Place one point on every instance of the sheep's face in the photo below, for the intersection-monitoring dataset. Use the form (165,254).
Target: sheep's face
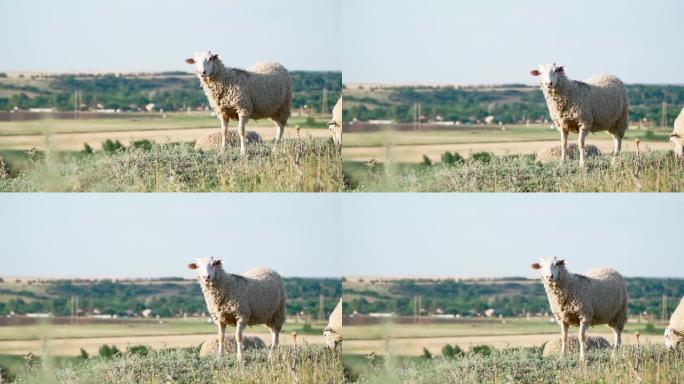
(549,75)
(550,269)
(672,339)
(204,62)
(206,268)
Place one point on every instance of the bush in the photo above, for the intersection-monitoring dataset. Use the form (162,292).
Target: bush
(426,354)
(450,352)
(87,149)
(5,375)
(426,161)
(83,355)
(140,350)
(449,158)
(110,146)
(484,157)
(649,135)
(310,121)
(107,352)
(484,350)
(144,144)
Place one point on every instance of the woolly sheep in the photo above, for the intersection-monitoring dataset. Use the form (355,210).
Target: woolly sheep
(255,297)
(333,331)
(553,347)
(335,125)
(599,104)
(553,152)
(262,91)
(214,140)
(674,333)
(210,346)
(598,297)
(677,135)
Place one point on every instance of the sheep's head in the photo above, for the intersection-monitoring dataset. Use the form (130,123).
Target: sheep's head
(206,268)
(551,269)
(205,63)
(549,75)
(672,338)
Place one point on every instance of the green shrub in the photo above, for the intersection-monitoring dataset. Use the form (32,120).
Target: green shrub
(107,352)
(426,161)
(449,158)
(483,157)
(87,149)
(110,146)
(141,350)
(484,350)
(83,354)
(426,354)
(144,144)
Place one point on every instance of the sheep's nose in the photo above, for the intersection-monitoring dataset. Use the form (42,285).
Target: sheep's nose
(204,72)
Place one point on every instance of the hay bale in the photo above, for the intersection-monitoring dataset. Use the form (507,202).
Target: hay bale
(213,140)
(210,346)
(553,153)
(553,347)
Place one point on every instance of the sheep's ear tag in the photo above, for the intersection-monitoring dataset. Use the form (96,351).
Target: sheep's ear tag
(216,263)
(214,56)
(536,266)
(535,72)
(190,61)
(560,69)
(192,266)
(560,262)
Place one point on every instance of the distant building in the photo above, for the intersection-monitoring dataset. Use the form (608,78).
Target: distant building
(41,110)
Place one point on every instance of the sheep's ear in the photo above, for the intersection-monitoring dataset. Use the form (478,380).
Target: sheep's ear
(192,265)
(216,263)
(535,72)
(675,135)
(560,69)
(190,61)
(214,56)
(560,262)
(536,266)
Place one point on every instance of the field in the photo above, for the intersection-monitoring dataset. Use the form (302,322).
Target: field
(305,160)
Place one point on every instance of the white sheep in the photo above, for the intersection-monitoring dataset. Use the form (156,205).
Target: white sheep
(333,331)
(677,135)
(597,297)
(553,347)
(214,140)
(262,91)
(553,152)
(255,297)
(674,333)
(599,104)
(335,125)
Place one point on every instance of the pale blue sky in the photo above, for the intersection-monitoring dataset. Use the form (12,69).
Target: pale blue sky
(155,35)
(469,235)
(499,41)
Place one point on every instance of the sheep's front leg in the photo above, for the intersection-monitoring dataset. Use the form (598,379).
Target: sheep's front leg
(280,128)
(274,340)
(564,338)
(617,339)
(582,336)
(241,132)
(238,339)
(580,144)
(617,145)
(224,133)
(679,150)
(564,145)
(222,337)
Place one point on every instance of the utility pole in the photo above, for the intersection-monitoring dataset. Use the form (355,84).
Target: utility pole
(321,312)
(415,116)
(663,314)
(419,113)
(324,101)
(663,116)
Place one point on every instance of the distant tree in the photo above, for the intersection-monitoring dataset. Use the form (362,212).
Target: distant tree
(3,74)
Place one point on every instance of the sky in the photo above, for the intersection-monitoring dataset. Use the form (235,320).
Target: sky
(332,235)
(500,41)
(157,35)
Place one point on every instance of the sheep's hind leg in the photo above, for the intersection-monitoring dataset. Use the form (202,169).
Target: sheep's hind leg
(582,336)
(617,145)
(224,133)
(564,145)
(274,340)
(238,339)
(564,338)
(280,129)
(617,339)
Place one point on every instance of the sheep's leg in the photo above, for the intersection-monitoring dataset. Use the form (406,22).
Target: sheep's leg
(679,150)
(617,339)
(224,133)
(238,338)
(222,337)
(582,336)
(617,145)
(580,144)
(564,145)
(241,132)
(564,338)
(274,340)
(280,128)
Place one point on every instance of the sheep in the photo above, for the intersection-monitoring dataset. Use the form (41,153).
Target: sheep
(335,125)
(599,104)
(674,333)
(550,153)
(553,347)
(333,331)
(210,346)
(255,297)
(598,297)
(262,91)
(677,135)
(213,140)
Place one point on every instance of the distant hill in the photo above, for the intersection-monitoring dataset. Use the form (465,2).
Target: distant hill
(512,103)
(171,91)
(166,297)
(507,296)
